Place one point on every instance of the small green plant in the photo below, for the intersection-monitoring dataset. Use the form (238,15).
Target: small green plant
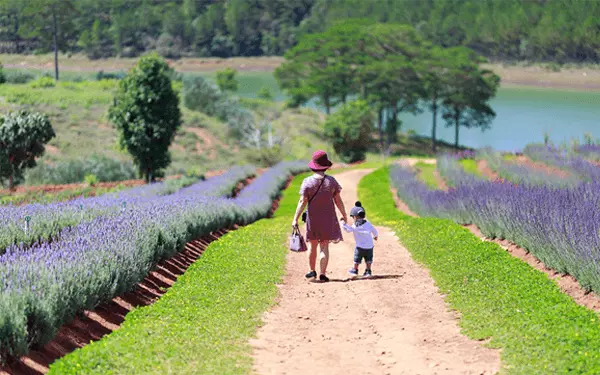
(194,173)
(588,139)
(265,93)
(2,75)
(44,82)
(546,138)
(226,79)
(90,179)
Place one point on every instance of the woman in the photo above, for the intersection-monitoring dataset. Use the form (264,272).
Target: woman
(321,193)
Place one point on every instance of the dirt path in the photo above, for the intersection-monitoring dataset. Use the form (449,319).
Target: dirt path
(394,323)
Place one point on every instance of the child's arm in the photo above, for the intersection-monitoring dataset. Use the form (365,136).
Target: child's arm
(374,232)
(347,227)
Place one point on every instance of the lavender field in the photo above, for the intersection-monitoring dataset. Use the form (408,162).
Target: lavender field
(555,218)
(104,249)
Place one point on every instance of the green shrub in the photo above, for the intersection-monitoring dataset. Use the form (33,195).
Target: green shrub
(109,75)
(72,171)
(226,79)
(146,114)
(90,179)
(44,82)
(18,77)
(349,129)
(265,93)
(2,75)
(200,94)
(23,136)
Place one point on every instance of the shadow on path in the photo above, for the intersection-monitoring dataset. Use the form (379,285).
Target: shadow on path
(358,278)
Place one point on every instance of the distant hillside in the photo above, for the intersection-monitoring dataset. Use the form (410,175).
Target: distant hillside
(536,30)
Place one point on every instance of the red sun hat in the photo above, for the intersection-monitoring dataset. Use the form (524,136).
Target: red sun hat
(320,161)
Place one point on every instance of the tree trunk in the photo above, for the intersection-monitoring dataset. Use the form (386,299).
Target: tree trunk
(55,37)
(394,129)
(148,176)
(16,31)
(456,126)
(11,182)
(380,128)
(434,106)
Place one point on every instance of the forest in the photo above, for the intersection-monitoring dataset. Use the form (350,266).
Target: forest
(507,30)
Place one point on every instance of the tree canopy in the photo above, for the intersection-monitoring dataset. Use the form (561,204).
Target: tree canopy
(392,68)
(543,30)
(146,114)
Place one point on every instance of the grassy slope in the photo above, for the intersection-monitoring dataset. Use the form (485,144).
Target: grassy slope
(78,114)
(426,174)
(203,323)
(470,166)
(539,329)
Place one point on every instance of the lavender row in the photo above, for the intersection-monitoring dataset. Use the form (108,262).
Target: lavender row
(591,152)
(453,173)
(44,286)
(571,163)
(560,226)
(522,174)
(38,222)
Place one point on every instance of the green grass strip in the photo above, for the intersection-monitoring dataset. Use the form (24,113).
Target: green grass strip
(426,174)
(470,166)
(203,323)
(539,329)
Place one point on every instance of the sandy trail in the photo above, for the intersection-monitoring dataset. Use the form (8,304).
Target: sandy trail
(394,323)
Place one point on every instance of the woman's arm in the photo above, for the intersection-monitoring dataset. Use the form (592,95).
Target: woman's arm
(301,206)
(337,199)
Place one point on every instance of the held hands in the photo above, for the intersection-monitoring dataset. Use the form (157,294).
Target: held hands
(375,238)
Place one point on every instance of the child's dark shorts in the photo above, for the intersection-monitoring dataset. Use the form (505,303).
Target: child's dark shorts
(360,253)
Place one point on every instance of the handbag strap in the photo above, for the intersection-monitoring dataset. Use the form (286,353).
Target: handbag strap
(319,188)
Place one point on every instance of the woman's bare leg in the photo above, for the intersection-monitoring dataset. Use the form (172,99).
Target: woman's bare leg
(324,256)
(312,256)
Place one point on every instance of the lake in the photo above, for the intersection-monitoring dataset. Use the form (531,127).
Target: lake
(523,115)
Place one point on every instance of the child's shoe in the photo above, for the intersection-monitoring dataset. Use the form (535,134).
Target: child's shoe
(353,272)
(367,273)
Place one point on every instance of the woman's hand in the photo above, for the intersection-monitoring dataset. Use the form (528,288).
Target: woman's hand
(295,223)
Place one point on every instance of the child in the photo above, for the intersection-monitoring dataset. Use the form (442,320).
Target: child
(364,233)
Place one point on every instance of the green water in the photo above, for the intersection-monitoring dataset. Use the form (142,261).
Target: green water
(523,115)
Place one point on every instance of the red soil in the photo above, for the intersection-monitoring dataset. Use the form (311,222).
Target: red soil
(486,171)
(542,167)
(440,181)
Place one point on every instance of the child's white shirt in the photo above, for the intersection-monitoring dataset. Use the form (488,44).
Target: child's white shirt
(363,235)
